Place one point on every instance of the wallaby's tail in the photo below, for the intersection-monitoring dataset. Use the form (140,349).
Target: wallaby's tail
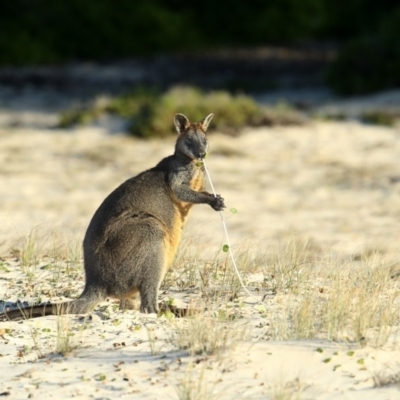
(84,304)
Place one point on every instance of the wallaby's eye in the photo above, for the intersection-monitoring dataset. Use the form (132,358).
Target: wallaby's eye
(189,141)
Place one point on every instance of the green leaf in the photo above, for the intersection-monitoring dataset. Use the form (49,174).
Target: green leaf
(3,268)
(225,248)
(199,164)
(260,308)
(233,211)
(100,377)
(171,301)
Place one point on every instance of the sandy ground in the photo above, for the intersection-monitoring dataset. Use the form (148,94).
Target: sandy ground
(333,184)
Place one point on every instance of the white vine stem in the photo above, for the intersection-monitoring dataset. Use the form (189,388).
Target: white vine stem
(227,239)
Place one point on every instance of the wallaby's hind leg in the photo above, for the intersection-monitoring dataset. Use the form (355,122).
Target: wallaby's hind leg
(134,262)
(154,269)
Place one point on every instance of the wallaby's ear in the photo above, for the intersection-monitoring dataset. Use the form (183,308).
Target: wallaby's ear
(206,121)
(181,123)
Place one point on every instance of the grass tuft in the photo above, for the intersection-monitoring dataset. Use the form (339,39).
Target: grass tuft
(206,335)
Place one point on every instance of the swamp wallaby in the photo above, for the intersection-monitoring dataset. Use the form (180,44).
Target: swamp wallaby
(132,238)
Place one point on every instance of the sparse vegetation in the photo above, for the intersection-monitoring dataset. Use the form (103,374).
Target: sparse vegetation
(64,334)
(193,385)
(287,390)
(340,306)
(149,112)
(206,335)
(381,117)
(388,376)
(355,302)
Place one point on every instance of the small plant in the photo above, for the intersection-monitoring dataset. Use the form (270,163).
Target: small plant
(290,268)
(193,386)
(386,377)
(287,390)
(152,340)
(201,335)
(35,335)
(28,251)
(63,340)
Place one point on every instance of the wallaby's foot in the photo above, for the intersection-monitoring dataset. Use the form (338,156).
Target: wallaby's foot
(149,300)
(217,203)
(148,309)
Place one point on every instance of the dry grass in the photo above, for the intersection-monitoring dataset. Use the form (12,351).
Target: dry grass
(64,334)
(286,390)
(193,385)
(387,376)
(306,294)
(356,301)
(206,335)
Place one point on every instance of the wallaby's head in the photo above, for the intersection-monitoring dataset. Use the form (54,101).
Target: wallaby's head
(192,140)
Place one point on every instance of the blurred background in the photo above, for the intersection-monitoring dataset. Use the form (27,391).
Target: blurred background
(353,47)
(304,54)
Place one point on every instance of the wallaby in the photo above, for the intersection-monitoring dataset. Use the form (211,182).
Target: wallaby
(133,237)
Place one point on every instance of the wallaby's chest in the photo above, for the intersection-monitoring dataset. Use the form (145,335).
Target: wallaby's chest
(197,180)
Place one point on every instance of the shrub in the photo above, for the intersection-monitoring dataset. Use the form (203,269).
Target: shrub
(234,112)
(150,113)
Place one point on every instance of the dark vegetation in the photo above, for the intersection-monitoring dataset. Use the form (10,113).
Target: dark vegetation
(148,112)
(36,32)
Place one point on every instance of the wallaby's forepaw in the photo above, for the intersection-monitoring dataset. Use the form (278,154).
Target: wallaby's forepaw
(217,203)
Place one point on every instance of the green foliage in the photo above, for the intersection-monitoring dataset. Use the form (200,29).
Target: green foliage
(149,112)
(347,19)
(234,112)
(39,31)
(381,117)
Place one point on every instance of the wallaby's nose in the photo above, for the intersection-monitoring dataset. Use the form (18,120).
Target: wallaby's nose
(202,155)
